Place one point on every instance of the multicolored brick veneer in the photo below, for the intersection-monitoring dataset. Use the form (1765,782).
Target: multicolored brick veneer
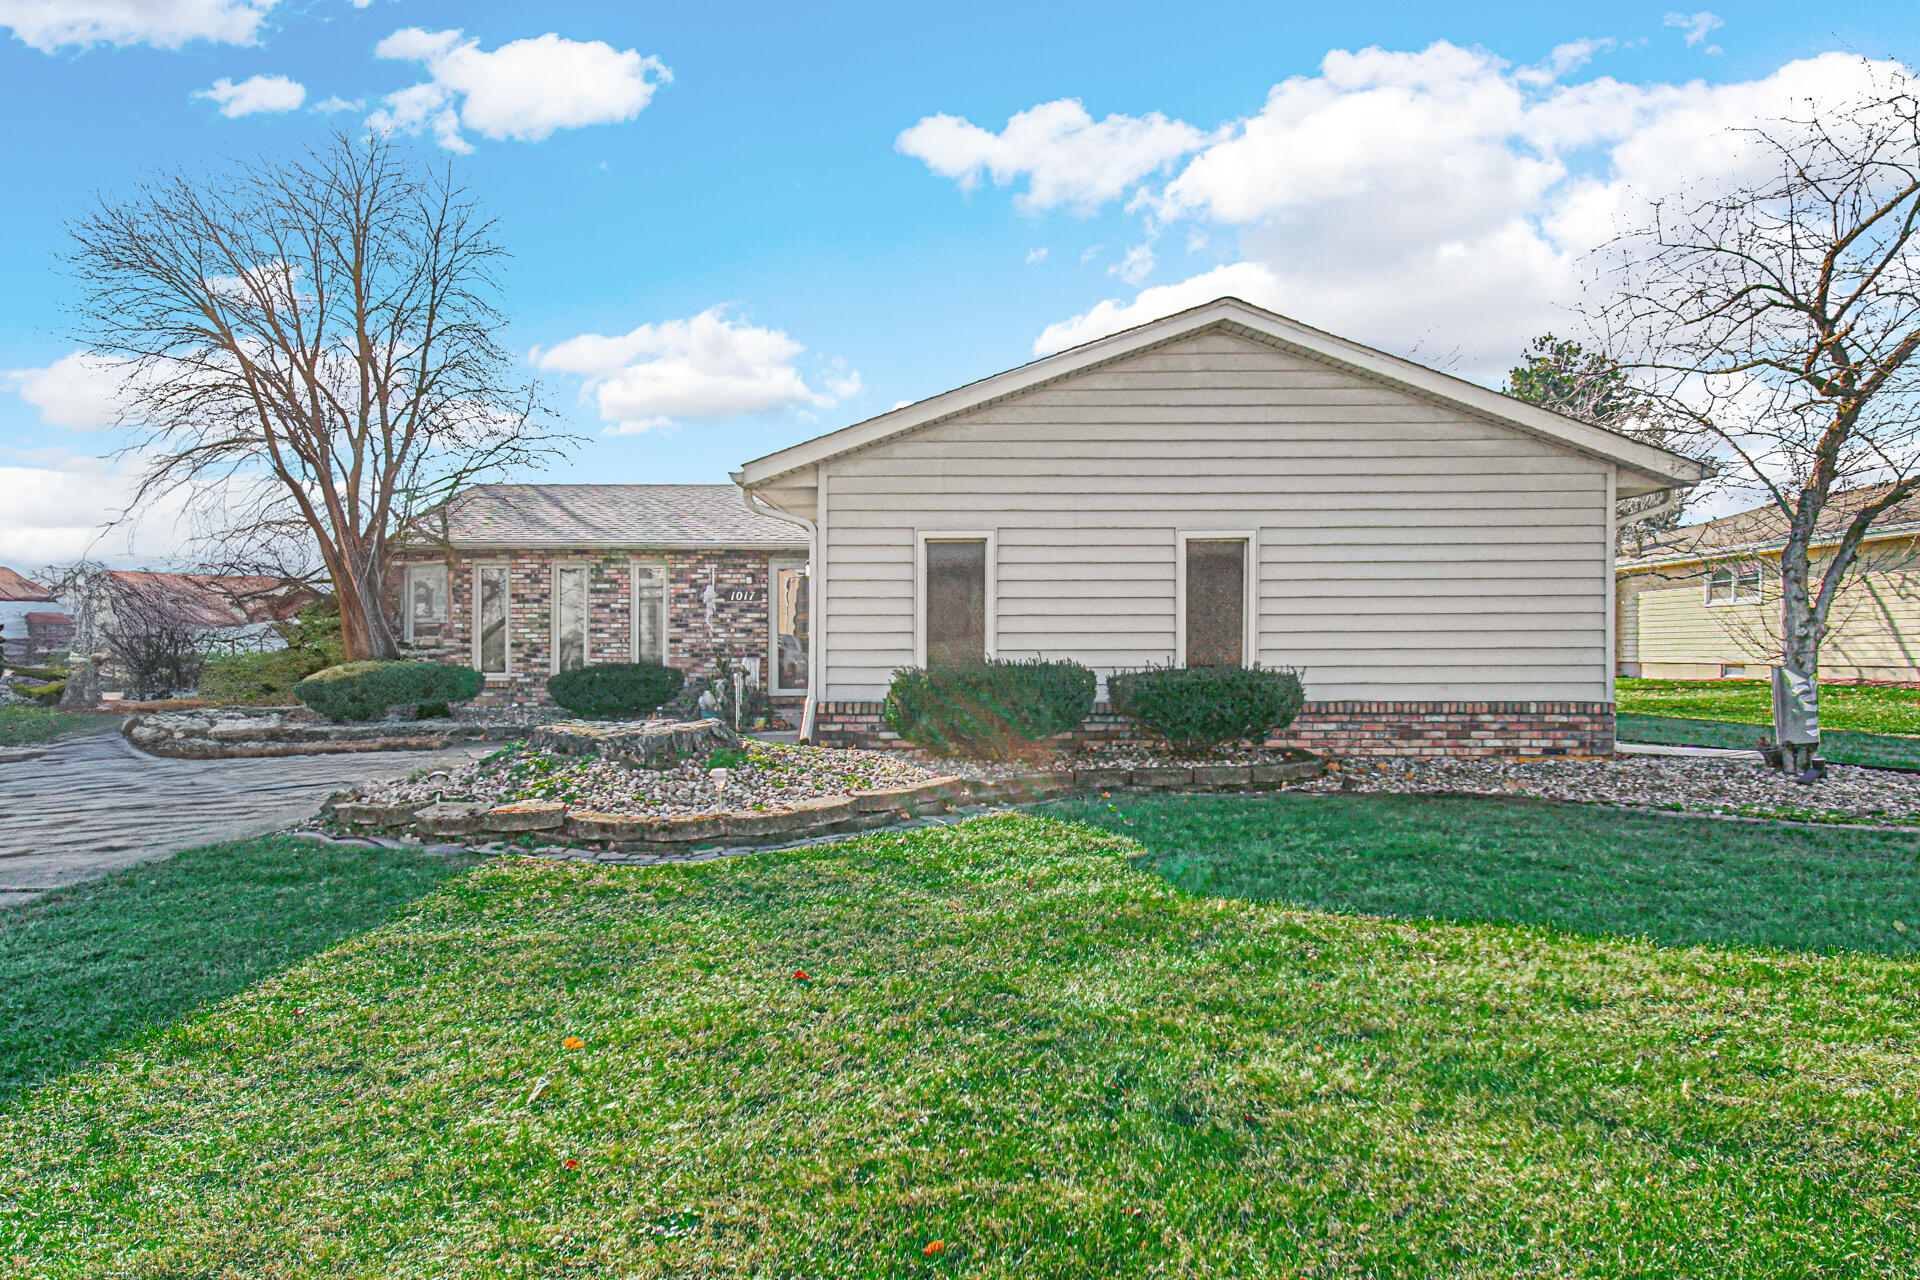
(1342,728)
(737,630)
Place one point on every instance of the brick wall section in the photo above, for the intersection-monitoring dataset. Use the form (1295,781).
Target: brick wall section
(738,630)
(1344,728)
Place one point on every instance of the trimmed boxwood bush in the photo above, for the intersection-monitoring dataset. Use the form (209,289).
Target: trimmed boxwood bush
(1199,708)
(364,690)
(616,690)
(995,709)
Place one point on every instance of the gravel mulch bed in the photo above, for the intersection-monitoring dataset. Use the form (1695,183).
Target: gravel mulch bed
(767,776)
(1680,783)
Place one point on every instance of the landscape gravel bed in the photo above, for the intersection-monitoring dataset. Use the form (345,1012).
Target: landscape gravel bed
(1684,784)
(765,776)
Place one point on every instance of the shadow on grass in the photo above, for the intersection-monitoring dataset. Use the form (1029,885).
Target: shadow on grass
(85,969)
(1841,746)
(1673,881)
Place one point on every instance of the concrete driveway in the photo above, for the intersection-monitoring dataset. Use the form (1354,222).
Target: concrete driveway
(79,809)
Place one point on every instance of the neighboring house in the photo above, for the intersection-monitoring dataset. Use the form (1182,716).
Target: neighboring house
(1705,603)
(1228,485)
(523,580)
(19,596)
(123,616)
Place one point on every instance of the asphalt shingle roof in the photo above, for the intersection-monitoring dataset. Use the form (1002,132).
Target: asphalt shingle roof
(14,587)
(1765,527)
(611,515)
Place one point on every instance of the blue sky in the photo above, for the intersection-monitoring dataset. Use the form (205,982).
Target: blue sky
(767,209)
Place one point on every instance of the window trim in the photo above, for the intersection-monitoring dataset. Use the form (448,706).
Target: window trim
(633,607)
(921,538)
(774,566)
(553,614)
(446,593)
(506,567)
(1249,599)
(1733,570)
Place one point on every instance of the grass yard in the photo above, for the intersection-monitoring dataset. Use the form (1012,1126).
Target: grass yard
(25,726)
(95,966)
(1863,708)
(1017,1043)
(1842,746)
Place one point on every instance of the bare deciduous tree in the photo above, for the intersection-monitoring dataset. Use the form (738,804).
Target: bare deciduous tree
(1777,322)
(310,358)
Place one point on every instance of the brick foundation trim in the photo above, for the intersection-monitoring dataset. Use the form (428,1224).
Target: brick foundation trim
(1337,728)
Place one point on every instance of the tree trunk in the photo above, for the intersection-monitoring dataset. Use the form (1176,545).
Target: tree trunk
(1800,636)
(365,631)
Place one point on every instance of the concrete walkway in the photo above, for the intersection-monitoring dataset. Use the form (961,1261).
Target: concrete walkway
(80,809)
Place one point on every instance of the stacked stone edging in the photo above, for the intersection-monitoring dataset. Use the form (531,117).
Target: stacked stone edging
(230,733)
(1336,728)
(852,812)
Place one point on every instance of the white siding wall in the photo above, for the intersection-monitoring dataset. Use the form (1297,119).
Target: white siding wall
(1406,551)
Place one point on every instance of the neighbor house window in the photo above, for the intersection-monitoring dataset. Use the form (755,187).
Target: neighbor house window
(426,594)
(790,627)
(490,619)
(569,617)
(955,599)
(1730,584)
(649,611)
(1214,600)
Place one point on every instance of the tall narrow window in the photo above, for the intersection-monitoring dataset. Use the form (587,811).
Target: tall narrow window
(1216,602)
(490,619)
(426,596)
(790,628)
(569,617)
(649,612)
(956,604)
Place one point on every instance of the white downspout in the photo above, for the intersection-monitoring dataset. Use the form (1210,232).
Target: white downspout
(761,508)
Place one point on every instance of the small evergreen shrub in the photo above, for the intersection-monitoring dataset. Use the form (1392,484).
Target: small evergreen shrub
(364,690)
(1199,708)
(258,679)
(996,709)
(616,690)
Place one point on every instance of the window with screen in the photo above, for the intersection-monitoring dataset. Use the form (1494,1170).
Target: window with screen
(1216,602)
(1735,582)
(490,619)
(569,617)
(649,612)
(956,601)
(426,595)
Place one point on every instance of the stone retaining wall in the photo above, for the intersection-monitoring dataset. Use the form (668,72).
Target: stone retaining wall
(1335,728)
(643,834)
(235,733)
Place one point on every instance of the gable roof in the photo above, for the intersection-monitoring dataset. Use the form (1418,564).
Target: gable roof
(15,588)
(217,599)
(1644,467)
(1764,528)
(612,515)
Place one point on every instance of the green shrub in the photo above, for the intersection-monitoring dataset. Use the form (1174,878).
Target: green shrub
(48,694)
(259,679)
(994,709)
(364,690)
(1197,708)
(616,690)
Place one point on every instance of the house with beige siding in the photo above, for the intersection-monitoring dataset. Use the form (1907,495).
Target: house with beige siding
(1704,602)
(1229,485)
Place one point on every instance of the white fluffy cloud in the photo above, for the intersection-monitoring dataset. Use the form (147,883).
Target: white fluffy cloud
(1440,198)
(1696,27)
(703,368)
(255,94)
(78,391)
(48,25)
(523,91)
(58,510)
(1066,156)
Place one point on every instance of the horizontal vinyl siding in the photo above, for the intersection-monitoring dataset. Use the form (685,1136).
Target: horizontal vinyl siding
(1874,626)
(1406,552)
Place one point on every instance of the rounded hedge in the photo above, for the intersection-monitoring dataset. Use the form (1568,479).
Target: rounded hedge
(364,690)
(1198,708)
(616,690)
(994,709)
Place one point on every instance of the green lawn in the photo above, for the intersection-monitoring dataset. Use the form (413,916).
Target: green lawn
(24,726)
(1865,708)
(1884,750)
(1014,1039)
(95,966)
